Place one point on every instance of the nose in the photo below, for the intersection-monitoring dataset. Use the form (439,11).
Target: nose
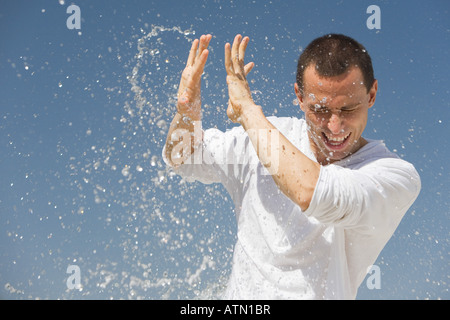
(335,124)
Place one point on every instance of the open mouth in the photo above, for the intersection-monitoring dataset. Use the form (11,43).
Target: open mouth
(335,143)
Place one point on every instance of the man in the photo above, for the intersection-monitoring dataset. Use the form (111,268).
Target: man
(315,201)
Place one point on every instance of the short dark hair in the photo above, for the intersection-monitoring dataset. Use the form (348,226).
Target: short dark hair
(332,55)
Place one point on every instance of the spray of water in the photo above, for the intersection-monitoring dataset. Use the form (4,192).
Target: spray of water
(165,247)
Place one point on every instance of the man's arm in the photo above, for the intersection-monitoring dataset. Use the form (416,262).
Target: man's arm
(295,174)
(181,137)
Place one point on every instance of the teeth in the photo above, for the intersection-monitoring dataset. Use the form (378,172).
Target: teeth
(337,139)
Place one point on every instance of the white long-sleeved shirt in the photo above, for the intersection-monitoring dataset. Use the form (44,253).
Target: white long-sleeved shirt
(323,252)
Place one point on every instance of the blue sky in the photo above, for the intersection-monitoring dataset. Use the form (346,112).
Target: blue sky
(83,118)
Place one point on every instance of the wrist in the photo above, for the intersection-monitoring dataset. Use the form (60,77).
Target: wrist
(189,109)
(190,117)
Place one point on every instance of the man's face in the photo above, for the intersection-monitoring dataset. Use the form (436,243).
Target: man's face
(336,110)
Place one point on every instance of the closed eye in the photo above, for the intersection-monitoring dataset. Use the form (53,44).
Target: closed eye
(350,109)
(317,108)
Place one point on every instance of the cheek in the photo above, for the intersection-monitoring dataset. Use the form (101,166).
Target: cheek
(357,121)
(315,127)
(317,120)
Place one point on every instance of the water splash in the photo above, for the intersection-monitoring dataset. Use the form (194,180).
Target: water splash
(166,249)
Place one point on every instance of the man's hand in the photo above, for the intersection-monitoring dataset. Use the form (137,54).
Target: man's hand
(189,98)
(238,89)
(183,133)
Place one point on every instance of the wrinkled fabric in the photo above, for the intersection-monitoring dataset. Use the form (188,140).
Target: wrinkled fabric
(324,252)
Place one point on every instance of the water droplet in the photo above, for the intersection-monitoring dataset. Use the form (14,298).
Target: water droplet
(126,171)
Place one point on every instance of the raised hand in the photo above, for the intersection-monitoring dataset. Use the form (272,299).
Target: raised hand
(189,97)
(182,138)
(240,97)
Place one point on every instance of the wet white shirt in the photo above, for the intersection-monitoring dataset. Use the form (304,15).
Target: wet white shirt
(324,252)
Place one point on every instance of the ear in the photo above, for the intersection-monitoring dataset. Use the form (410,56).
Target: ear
(299,95)
(373,93)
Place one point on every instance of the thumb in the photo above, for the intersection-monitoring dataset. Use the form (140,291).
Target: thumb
(248,67)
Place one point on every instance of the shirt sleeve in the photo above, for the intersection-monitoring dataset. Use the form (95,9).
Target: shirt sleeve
(371,198)
(221,157)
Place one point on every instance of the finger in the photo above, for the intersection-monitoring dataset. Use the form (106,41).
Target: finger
(242,48)
(201,45)
(228,63)
(208,39)
(200,63)
(192,53)
(235,51)
(203,58)
(248,67)
(202,55)
(205,42)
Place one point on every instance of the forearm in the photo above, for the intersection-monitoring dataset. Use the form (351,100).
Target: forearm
(294,173)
